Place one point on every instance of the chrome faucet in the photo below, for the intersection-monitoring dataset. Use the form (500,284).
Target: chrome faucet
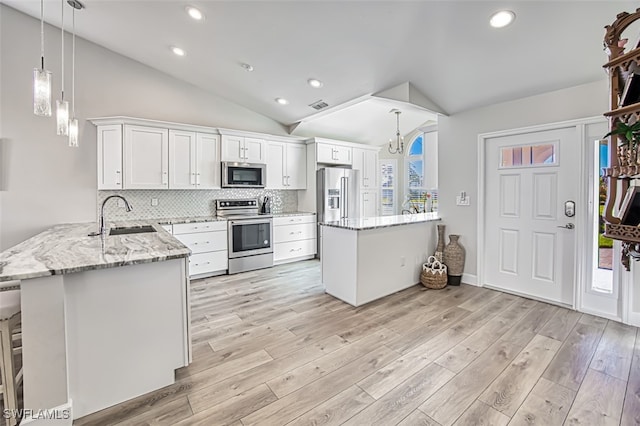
(103,228)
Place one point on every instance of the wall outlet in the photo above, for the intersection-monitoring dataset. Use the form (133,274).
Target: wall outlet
(119,202)
(154,202)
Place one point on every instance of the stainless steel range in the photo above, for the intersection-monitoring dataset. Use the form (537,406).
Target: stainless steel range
(250,234)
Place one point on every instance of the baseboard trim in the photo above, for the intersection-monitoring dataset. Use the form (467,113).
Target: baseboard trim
(59,416)
(470,279)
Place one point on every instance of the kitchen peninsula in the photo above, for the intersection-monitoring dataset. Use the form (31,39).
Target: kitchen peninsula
(364,259)
(104,319)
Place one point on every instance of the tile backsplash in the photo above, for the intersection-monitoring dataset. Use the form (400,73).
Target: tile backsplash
(184,203)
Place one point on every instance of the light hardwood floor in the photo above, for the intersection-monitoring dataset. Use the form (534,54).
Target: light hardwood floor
(271,348)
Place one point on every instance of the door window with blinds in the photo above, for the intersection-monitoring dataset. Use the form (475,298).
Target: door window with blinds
(535,155)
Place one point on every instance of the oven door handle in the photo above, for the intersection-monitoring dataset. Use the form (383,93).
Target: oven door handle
(250,221)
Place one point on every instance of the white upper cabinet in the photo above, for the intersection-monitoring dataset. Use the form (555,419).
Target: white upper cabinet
(333,154)
(207,161)
(276,165)
(286,165)
(255,150)
(366,161)
(296,166)
(243,150)
(193,160)
(146,162)
(110,156)
(182,159)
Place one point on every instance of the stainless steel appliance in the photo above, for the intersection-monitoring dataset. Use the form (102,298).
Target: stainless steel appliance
(250,234)
(338,193)
(243,175)
(337,196)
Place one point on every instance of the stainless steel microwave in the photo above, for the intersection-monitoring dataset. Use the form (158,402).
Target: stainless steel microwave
(243,175)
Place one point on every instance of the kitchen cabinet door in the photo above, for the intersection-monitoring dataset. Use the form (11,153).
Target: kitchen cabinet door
(182,159)
(369,204)
(110,156)
(343,154)
(255,150)
(296,170)
(358,164)
(233,149)
(366,161)
(276,166)
(370,174)
(333,154)
(325,153)
(146,163)
(207,161)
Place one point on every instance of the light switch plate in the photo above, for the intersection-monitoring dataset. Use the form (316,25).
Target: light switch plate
(462,201)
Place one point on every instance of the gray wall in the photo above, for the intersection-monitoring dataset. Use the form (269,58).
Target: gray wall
(458,147)
(45,182)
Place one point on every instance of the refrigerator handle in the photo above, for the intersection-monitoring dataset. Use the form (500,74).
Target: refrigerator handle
(343,205)
(347,213)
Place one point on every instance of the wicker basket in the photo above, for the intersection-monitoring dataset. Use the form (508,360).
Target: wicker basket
(434,274)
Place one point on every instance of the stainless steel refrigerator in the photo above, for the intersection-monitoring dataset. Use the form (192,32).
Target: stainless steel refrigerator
(337,196)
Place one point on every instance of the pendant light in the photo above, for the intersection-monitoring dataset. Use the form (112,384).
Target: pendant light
(41,78)
(73,121)
(399,149)
(62,106)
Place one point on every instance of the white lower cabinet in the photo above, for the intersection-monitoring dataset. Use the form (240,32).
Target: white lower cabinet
(294,238)
(208,244)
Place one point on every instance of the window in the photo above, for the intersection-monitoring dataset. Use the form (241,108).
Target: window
(528,156)
(388,187)
(421,174)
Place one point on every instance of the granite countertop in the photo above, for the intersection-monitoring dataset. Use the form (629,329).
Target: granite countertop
(67,248)
(193,219)
(359,224)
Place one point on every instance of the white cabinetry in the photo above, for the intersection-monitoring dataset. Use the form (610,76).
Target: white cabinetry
(366,161)
(369,203)
(294,238)
(286,165)
(146,162)
(243,149)
(193,160)
(208,244)
(110,156)
(333,154)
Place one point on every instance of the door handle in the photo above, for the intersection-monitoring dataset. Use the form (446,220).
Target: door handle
(567,226)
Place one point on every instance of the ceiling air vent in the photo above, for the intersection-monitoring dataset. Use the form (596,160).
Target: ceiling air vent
(318,105)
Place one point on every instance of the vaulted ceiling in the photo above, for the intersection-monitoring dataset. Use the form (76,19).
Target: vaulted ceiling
(445,49)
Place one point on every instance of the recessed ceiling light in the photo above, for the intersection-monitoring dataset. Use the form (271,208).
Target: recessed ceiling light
(282,101)
(502,18)
(194,13)
(247,67)
(178,51)
(315,83)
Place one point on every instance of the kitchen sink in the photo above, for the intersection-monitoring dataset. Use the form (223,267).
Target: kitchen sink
(132,230)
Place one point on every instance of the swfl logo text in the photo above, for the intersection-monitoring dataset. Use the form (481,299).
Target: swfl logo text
(28,413)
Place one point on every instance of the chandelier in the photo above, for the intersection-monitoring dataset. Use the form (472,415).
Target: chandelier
(399,149)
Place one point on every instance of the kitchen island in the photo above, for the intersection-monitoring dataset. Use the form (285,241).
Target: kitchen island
(104,319)
(365,259)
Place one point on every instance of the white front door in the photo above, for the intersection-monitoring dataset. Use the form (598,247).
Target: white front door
(529,241)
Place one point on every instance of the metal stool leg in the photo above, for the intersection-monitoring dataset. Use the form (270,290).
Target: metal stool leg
(10,394)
